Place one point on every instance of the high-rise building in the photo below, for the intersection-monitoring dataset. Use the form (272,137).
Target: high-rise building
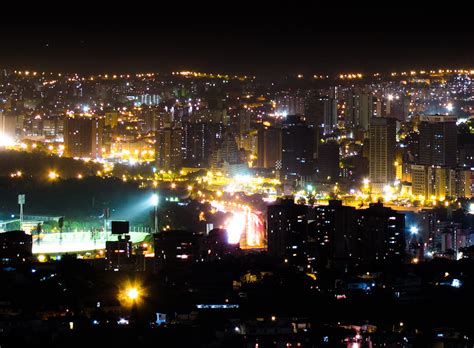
(330,114)
(169,148)
(380,234)
(327,167)
(435,182)
(118,253)
(148,99)
(227,153)
(314,108)
(366,103)
(83,137)
(15,247)
(288,104)
(286,229)
(335,232)
(7,126)
(53,127)
(465,183)
(382,138)
(359,109)
(438,141)
(249,142)
(297,151)
(175,247)
(244,116)
(466,155)
(111,119)
(420,179)
(216,245)
(269,147)
(200,140)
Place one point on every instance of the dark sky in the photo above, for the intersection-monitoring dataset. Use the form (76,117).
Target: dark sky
(227,45)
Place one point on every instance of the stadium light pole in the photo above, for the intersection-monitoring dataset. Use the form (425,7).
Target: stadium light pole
(154,202)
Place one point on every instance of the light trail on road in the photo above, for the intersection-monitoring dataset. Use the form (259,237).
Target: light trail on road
(244,226)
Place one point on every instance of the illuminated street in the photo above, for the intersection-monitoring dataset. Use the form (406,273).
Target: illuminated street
(244,227)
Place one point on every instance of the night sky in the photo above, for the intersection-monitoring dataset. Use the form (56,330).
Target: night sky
(229,46)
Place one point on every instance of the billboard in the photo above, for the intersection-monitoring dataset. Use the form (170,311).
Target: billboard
(120,227)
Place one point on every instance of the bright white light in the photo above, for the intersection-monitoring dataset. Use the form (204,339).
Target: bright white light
(132,293)
(85,109)
(123,321)
(414,230)
(456,283)
(245,179)
(6,140)
(390,97)
(450,107)
(154,200)
(471,208)
(235,227)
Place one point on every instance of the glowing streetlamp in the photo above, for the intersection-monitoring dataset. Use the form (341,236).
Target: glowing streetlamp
(53,175)
(132,294)
(414,230)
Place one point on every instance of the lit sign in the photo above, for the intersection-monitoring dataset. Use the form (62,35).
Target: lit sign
(217,306)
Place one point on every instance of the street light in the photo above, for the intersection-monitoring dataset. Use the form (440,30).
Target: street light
(132,294)
(414,230)
(52,175)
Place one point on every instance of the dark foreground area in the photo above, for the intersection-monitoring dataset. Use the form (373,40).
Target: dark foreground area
(235,302)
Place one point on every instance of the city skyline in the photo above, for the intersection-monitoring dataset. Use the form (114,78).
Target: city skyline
(221,183)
